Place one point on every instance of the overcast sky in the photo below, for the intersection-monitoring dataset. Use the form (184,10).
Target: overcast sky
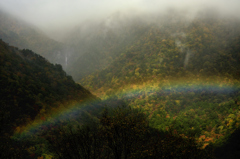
(55,15)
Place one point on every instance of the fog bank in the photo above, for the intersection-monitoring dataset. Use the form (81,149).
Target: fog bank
(57,17)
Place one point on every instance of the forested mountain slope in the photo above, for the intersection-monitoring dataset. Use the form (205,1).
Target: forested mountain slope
(205,46)
(184,74)
(174,33)
(18,33)
(178,74)
(30,84)
(97,44)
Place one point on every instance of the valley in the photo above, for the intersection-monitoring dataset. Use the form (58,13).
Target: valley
(124,87)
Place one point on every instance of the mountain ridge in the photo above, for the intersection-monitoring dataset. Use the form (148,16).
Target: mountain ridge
(30,84)
(18,33)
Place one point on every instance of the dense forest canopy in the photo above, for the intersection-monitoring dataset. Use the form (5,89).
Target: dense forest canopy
(175,46)
(165,84)
(100,45)
(184,73)
(30,84)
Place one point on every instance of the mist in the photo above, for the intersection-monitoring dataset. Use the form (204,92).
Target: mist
(57,17)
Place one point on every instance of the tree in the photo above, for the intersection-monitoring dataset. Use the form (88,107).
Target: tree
(123,130)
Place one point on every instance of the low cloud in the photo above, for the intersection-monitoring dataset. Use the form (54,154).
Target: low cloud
(58,16)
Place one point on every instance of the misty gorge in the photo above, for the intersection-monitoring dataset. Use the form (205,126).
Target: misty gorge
(116,79)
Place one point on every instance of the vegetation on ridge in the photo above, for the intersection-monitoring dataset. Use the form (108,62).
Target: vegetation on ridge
(179,78)
(31,85)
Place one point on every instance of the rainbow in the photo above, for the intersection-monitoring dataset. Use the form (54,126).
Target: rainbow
(127,93)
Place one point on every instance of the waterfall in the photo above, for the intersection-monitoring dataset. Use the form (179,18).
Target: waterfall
(66,61)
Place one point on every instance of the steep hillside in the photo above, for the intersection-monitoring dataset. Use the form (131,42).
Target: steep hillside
(184,74)
(207,46)
(25,36)
(97,44)
(30,84)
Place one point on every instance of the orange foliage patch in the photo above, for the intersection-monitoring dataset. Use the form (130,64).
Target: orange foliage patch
(208,139)
(202,137)
(205,145)
(43,118)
